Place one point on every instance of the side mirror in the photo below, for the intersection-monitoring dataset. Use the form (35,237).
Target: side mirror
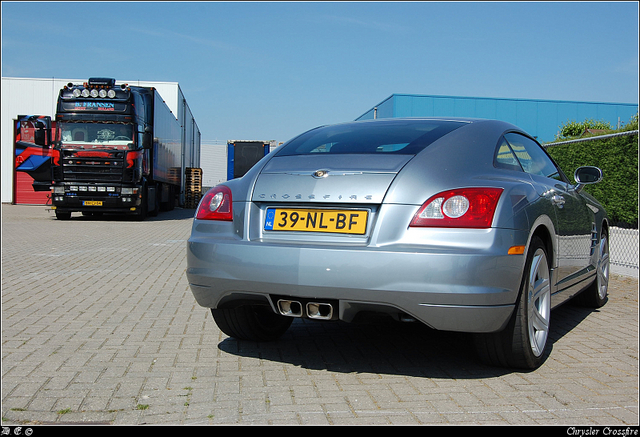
(587,175)
(146,138)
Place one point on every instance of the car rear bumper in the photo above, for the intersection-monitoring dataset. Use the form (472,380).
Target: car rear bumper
(455,290)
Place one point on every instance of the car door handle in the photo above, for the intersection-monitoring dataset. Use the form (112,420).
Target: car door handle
(557,200)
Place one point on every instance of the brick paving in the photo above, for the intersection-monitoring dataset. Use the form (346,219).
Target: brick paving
(99,326)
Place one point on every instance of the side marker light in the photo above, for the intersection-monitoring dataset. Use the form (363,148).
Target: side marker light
(516,250)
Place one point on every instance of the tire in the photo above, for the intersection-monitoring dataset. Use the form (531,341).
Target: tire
(251,322)
(170,203)
(63,215)
(523,343)
(156,203)
(596,295)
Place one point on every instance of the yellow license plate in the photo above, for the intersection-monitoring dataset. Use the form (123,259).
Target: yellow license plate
(92,203)
(317,220)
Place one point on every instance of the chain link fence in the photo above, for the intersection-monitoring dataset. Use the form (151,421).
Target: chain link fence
(623,247)
(599,137)
(623,243)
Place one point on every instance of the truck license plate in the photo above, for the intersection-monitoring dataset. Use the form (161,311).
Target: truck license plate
(316,220)
(92,203)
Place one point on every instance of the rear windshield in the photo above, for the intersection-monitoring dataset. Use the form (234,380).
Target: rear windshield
(404,137)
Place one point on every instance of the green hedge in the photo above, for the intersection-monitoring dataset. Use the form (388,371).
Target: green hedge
(618,159)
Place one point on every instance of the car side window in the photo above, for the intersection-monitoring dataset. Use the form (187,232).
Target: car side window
(532,157)
(505,158)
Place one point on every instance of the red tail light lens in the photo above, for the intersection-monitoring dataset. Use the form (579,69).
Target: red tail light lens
(216,205)
(461,208)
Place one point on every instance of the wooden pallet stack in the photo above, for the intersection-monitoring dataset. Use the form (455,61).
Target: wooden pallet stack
(193,187)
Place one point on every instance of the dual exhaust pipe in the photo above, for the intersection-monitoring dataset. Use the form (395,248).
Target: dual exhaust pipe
(312,310)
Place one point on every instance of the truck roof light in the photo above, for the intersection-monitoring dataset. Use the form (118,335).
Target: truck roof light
(105,81)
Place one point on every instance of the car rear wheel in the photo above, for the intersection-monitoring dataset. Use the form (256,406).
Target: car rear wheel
(251,322)
(523,343)
(597,294)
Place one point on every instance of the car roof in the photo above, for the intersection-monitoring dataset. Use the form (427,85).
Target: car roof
(392,120)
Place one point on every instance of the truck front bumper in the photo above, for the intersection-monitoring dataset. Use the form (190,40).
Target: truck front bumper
(95,201)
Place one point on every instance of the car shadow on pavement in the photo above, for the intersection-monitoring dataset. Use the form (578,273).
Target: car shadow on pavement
(383,346)
(566,317)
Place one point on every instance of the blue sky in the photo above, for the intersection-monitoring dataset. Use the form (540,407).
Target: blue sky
(269,71)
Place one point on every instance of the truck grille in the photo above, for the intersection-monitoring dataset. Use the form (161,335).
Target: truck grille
(94,166)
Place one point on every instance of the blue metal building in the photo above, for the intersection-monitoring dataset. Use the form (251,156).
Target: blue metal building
(540,118)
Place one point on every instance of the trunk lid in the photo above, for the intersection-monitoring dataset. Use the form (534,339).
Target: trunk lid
(335,179)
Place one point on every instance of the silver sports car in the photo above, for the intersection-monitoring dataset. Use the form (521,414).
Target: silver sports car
(461,224)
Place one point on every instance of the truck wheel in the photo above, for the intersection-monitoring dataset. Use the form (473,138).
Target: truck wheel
(63,215)
(523,343)
(251,322)
(596,295)
(156,203)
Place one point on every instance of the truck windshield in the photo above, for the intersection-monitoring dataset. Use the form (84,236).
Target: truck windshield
(96,135)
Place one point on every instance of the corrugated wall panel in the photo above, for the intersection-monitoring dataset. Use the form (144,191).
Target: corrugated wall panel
(547,116)
(213,161)
(527,115)
(486,108)
(464,108)
(24,194)
(443,107)
(506,111)
(423,107)
(541,118)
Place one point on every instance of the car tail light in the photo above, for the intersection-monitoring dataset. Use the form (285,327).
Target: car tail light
(216,205)
(460,208)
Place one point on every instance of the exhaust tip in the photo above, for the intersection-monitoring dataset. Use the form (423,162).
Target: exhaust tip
(290,308)
(317,310)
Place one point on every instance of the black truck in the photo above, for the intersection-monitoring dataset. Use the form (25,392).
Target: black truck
(117,149)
